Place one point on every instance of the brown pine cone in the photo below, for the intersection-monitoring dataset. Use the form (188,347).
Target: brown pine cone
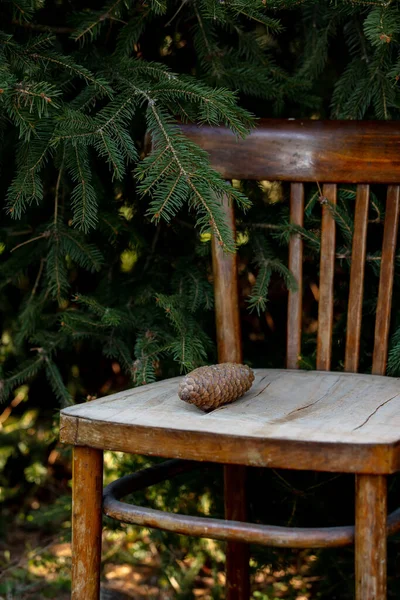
(211,386)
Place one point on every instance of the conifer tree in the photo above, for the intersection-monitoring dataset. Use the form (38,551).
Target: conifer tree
(90,210)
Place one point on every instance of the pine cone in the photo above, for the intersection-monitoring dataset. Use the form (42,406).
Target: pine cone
(210,387)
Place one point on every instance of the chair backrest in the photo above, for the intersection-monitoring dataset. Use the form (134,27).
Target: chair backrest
(327,152)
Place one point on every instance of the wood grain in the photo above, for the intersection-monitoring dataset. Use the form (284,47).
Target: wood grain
(301,150)
(230,350)
(295,297)
(87,481)
(326,279)
(354,310)
(227,316)
(384,305)
(289,419)
(370,537)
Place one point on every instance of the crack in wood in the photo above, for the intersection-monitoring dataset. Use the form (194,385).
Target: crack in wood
(264,388)
(289,416)
(374,412)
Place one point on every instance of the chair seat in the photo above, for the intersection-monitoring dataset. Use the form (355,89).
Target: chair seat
(289,419)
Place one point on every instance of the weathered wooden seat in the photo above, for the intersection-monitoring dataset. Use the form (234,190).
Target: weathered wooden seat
(320,420)
(333,416)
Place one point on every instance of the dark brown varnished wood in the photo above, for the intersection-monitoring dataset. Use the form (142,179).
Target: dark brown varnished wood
(354,310)
(326,276)
(301,150)
(230,350)
(370,537)
(384,305)
(237,553)
(87,492)
(296,267)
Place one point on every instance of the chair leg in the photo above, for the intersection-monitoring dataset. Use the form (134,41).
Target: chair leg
(87,481)
(370,537)
(237,554)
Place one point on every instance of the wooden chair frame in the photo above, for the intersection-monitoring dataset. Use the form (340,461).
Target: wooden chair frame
(296,151)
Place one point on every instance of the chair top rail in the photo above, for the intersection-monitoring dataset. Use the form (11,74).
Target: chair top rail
(305,151)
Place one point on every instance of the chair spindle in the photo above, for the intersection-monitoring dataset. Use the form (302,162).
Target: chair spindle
(354,312)
(327,270)
(295,299)
(384,305)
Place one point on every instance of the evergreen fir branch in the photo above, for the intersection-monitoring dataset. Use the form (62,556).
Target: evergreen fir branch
(56,272)
(382,25)
(159,7)
(311,203)
(312,240)
(83,196)
(393,364)
(355,38)
(80,325)
(106,133)
(130,34)
(193,287)
(118,350)
(109,150)
(90,25)
(251,10)
(384,94)
(342,219)
(321,23)
(27,187)
(188,346)
(355,72)
(207,49)
(87,256)
(204,193)
(215,105)
(258,298)
(149,71)
(23,10)
(29,319)
(23,373)
(37,95)
(109,316)
(22,118)
(282,234)
(56,383)
(267,264)
(147,352)
(101,86)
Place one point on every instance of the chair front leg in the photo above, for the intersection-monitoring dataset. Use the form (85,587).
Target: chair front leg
(370,537)
(87,481)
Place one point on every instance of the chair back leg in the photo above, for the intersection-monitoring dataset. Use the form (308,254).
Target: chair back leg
(370,537)
(237,554)
(87,490)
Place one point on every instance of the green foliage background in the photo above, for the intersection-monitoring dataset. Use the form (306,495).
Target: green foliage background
(103,282)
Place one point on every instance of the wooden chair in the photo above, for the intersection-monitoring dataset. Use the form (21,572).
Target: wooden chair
(290,419)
